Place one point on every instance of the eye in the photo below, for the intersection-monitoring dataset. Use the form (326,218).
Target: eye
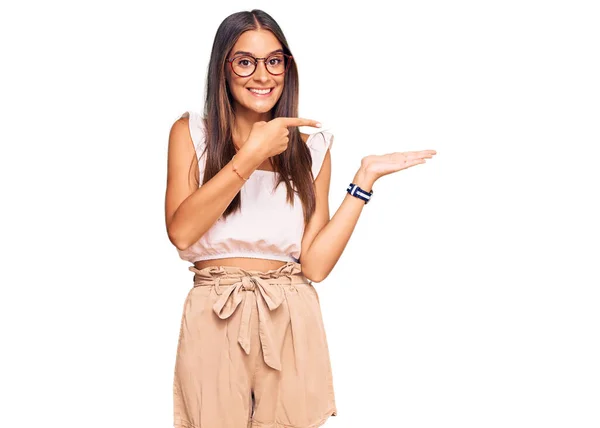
(276,60)
(244,62)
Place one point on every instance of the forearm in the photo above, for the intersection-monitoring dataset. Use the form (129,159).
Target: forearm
(328,245)
(200,211)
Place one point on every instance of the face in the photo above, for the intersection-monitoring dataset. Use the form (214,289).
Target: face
(260,43)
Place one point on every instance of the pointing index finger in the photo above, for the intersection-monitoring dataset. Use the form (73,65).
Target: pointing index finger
(298,121)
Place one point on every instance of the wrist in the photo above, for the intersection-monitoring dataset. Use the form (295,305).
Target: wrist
(244,163)
(364,180)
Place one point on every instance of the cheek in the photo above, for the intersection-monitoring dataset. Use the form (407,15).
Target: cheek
(233,83)
(237,87)
(241,84)
(280,93)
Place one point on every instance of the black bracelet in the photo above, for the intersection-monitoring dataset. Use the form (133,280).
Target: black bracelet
(359,193)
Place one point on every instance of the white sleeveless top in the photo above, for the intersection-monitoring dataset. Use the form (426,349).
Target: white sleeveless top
(267,226)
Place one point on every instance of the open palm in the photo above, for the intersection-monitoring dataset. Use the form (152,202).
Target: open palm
(380,165)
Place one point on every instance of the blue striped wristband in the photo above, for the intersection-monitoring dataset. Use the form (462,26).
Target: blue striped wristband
(359,193)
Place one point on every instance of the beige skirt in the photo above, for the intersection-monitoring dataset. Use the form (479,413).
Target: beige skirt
(252,352)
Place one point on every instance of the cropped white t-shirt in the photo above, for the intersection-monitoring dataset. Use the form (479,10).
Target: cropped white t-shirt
(267,226)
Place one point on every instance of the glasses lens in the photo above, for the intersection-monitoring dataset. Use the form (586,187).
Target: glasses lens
(243,65)
(276,64)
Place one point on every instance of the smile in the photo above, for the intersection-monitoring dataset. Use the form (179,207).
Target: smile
(261,92)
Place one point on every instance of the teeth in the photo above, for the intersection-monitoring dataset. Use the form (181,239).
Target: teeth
(261,91)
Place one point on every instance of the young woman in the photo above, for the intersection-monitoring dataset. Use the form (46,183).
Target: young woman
(247,204)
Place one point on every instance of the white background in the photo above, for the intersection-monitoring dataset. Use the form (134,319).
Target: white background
(468,294)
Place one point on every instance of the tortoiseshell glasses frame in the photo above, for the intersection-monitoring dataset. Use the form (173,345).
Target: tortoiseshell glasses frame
(287,59)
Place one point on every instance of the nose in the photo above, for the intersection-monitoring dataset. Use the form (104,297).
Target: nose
(261,74)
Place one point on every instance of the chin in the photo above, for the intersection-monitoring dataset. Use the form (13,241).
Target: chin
(260,107)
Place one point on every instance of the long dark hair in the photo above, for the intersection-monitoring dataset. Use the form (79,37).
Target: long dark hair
(295,163)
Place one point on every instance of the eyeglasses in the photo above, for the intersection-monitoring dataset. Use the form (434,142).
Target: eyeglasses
(245,65)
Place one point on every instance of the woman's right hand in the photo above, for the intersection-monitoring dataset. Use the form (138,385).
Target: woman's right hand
(271,138)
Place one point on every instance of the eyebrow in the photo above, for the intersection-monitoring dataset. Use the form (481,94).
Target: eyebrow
(251,54)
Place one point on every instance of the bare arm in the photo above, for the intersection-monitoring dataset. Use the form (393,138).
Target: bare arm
(324,239)
(190,209)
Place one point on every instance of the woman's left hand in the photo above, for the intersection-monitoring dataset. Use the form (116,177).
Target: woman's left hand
(376,166)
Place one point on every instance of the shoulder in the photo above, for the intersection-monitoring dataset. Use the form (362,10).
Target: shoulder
(324,142)
(182,124)
(192,119)
(191,124)
(320,141)
(180,139)
(319,144)
(180,130)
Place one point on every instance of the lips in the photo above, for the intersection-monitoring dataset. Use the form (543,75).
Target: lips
(261,89)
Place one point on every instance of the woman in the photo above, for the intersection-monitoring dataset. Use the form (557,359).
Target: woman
(247,204)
